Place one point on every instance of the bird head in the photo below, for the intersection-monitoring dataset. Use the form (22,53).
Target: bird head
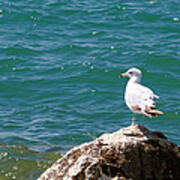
(132,72)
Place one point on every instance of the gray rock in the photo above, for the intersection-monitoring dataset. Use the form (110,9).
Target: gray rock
(132,153)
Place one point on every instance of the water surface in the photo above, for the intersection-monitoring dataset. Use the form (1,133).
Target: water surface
(60,63)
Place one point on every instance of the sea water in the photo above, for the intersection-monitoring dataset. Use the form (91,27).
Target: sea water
(60,63)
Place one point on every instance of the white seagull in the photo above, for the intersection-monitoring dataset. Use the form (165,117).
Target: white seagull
(139,98)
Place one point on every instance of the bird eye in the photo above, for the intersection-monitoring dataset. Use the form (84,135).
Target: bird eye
(130,72)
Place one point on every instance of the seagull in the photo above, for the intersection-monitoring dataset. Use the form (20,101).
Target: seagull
(138,98)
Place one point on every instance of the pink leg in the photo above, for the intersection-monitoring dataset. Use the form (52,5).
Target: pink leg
(133,119)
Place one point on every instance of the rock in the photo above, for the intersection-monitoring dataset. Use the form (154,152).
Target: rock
(132,153)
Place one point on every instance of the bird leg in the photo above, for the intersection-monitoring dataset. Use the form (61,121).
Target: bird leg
(133,119)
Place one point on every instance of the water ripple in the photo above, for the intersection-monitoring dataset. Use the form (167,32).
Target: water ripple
(60,64)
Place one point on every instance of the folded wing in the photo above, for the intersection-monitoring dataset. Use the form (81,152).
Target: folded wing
(141,99)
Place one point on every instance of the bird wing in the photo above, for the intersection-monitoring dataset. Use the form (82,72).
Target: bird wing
(140,96)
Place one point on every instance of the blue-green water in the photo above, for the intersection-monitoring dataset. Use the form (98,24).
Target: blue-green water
(60,63)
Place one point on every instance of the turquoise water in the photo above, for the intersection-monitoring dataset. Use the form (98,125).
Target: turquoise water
(60,63)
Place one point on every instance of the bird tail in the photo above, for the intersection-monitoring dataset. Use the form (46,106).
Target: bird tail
(152,112)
